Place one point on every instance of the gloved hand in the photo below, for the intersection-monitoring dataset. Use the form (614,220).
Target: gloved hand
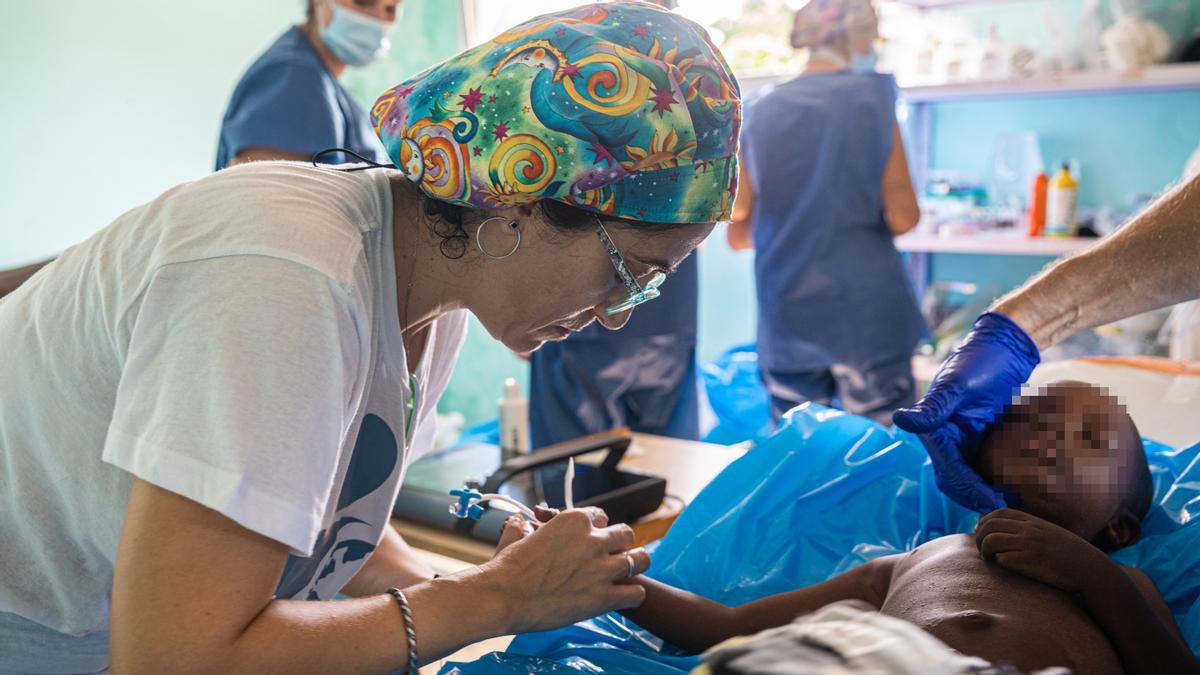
(969,391)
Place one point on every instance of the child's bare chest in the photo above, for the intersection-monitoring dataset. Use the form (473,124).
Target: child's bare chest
(982,610)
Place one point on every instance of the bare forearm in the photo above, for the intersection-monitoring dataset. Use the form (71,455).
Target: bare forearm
(695,623)
(11,279)
(899,198)
(738,235)
(1144,643)
(684,619)
(867,582)
(361,635)
(393,563)
(902,218)
(1150,263)
(247,155)
(742,217)
(193,592)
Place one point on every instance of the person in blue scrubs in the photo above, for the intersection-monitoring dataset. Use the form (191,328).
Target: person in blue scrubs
(290,105)
(643,376)
(824,189)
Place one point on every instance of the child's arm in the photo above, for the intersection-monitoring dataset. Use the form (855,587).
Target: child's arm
(1134,617)
(1150,593)
(1128,610)
(694,623)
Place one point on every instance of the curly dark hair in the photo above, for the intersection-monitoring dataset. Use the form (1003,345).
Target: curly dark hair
(450,222)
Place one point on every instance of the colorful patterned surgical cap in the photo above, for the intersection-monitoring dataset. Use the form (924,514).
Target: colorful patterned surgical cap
(620,108)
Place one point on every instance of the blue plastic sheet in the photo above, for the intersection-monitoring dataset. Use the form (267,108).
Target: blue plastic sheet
(827,492)
(486,432)
(737,397)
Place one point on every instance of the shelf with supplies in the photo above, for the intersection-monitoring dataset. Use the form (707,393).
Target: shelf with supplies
(1169,77)
(1166,77)
(1007,243)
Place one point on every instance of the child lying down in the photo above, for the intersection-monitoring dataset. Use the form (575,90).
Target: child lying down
(1032,587)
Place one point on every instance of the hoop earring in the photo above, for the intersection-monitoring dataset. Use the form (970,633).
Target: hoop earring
(478,245)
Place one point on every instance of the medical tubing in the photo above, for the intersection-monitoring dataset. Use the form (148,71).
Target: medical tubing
(491,497)
(409,630)
(371,164)
(568,496)
(568,483)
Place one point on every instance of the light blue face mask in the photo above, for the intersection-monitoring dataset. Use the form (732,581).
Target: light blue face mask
(354,38)
(864,63)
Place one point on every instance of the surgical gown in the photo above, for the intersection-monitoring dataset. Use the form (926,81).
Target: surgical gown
(642,376)
(837,318)
(288,100)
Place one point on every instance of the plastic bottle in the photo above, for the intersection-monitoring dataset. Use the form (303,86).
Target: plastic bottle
(1062,198)
(514,420)
(1037,204)
(1091,27)
(993,57)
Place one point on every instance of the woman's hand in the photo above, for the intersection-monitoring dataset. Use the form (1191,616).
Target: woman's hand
(1038,549)
(565,570)
(969,391)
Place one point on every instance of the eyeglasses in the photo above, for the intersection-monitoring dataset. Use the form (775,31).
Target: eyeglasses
(636,293)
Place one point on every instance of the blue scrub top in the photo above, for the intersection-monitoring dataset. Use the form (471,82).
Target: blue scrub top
(831,285)
(289,100)
(642,376)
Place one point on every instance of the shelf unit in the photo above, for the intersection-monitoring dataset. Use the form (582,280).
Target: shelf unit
(920,101)
(1168,77)
(992,244)
(1171,77)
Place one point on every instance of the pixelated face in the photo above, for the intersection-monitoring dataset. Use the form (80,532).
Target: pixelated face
(1064,453)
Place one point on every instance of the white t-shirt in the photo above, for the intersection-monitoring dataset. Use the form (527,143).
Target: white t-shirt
(235,341)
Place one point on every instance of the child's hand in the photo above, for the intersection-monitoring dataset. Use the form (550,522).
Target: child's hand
(517,528)
(1038,549)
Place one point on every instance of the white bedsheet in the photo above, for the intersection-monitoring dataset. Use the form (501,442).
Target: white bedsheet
(1165,407)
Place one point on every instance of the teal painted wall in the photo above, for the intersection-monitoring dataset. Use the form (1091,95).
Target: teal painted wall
(993,274)
(728,307)
(104,105)
(1126,144)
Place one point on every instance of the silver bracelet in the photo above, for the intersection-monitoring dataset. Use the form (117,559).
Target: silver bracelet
(409,631)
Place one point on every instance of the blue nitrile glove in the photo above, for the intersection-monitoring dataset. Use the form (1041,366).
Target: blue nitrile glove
(969,391)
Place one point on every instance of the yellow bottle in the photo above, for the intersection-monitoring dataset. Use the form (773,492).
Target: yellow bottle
(1062,201)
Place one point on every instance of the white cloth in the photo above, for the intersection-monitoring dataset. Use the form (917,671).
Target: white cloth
(871,642)
(235,341)
(1181,332)
(843,638)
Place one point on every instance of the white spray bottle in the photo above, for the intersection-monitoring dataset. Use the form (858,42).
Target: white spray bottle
(514,421)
